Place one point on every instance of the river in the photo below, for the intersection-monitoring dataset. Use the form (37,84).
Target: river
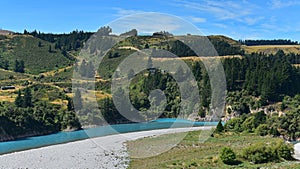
(64,137)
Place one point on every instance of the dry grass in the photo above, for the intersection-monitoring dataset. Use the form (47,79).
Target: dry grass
(272,49)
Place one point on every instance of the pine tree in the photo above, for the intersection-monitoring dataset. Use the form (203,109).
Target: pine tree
(77,100)
(50,49)
(219,127)
(19,100)
(27,98)
(22,67)
(70,105)
(40,44)
(5,64)
(16,68)
(19,66)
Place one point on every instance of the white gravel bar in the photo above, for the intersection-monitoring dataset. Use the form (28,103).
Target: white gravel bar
(101,152)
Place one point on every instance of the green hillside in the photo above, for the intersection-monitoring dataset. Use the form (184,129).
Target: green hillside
(36,53)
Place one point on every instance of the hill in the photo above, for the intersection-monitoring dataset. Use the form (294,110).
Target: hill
(38,55)
(6,32)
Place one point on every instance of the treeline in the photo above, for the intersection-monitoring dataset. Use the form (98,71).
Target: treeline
(18,122)
(268,42)
(31,115)
(71,41)
(224,48)
(270,77)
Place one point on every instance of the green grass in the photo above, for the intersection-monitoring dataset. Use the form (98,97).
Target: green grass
(6,75)
(108,65)
(37,59)
(189,153)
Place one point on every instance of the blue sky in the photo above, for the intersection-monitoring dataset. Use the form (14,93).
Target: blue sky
(241,19)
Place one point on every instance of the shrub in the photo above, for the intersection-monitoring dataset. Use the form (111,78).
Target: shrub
(259,153)
(285,151)
(262,153)
(262,130)
(227,155)
(248,125)
(234,125)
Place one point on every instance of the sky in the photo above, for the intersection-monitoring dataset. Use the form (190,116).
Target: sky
(240,19)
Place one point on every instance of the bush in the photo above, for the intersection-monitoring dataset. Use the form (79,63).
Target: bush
(249,125)
(227,155)
(262,153)
(234,125)
(262,130)
(259,153)
(285,151)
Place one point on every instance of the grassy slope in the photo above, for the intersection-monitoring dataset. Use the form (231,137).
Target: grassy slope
(189,153)
(272,49)
(224,38)
(37,59)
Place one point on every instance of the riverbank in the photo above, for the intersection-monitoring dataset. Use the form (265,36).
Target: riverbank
(101,152)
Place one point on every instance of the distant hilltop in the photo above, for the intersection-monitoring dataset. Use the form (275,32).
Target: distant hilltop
(6,32)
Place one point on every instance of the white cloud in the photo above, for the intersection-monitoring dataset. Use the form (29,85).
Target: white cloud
(276,4)
(149,22)
(220,25)
(223,10)
(124,12)
(198,20)
(252,21)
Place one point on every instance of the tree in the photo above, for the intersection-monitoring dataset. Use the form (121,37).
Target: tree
(116,54)
(5,64)
(50,49)
(19,100)
(22,67)
(40,44)
(202,112)
(77,100)
(219,127)
(70,105)
(27,98)
(227,155)
(19,66)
